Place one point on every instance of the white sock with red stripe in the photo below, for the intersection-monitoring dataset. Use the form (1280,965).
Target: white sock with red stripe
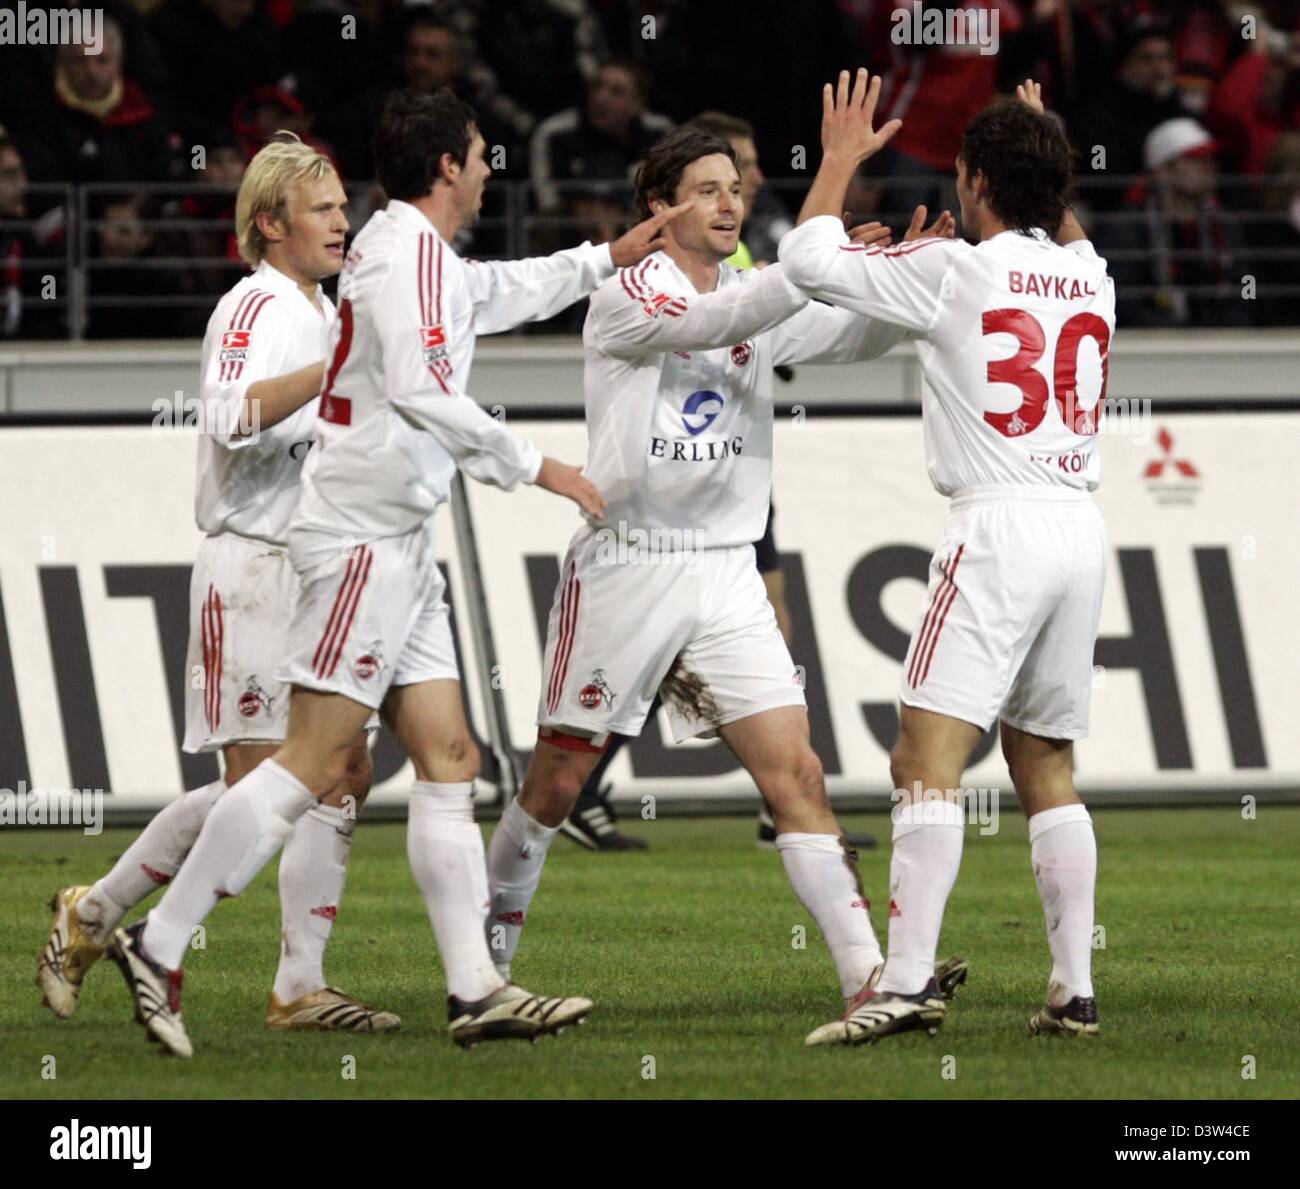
(1064,853)
(826,880)
(445,849)
(928,839)
(148,863)
(313,869)
(244,830)
(515,858)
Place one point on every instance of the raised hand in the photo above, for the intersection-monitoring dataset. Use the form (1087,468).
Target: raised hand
(944,227)
(1030,94)
(562,479)
(644,238)
(848,118)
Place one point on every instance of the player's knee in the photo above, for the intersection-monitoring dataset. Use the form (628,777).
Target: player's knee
(461,753)
(809,776)
(553,791)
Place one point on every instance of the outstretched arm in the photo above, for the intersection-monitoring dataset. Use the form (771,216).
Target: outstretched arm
(632,319)
(507,293)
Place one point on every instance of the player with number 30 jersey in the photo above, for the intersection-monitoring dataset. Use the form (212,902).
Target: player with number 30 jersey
(1014,333)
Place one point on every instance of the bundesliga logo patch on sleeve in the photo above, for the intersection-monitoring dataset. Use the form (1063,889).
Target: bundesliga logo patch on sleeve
(433,340)
(234,346)
(433,345)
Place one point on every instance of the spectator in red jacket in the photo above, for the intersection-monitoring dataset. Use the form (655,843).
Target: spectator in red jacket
(1257,101)
(99,125)
(268,110)
(936,89)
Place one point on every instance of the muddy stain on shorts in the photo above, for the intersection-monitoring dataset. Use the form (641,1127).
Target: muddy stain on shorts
(686,693)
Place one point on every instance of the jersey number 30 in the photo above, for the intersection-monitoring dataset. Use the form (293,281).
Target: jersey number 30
(1020,371)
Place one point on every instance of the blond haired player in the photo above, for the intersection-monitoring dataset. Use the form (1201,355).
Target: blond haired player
(261,373)
(1013,334)
(679,353)
(370,628)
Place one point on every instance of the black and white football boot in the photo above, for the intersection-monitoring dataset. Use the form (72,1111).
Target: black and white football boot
(155,991)
(950,974)
(1076,1018)
(592,824)
(873,1014)
(511,1013)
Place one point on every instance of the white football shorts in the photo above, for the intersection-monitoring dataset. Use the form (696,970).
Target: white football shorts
(699,625)
(241,602)
(369,617)
(1011,615)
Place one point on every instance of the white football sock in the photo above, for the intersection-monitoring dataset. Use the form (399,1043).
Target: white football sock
(515,857)
(148,863)
(828,885)
(312,871)
(245,828)
(927,853)
(1064,853)
(445,849)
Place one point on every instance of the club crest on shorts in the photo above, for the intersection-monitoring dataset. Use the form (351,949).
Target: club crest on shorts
(254,700)
(234,346)
(741,353)
(370,663)
(596,692)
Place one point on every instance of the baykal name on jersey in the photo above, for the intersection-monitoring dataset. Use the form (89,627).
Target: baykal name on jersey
(699,411)
(234,346)
(1038,284)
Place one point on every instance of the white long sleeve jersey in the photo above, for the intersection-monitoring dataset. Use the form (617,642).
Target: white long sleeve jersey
(248,481)
(395,420)
(679,394)
(678,388)
(1014,337)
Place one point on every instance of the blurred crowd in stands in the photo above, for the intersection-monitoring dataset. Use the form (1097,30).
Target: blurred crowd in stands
(118,169)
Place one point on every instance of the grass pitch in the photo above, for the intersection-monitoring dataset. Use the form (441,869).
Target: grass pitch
(689,952)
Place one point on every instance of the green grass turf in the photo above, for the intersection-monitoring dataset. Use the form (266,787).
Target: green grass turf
(687,951)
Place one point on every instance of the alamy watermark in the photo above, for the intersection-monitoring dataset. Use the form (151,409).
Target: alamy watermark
(978,806)
(53,26)
(919,25)
(53,807)
(624,545)
(222,419)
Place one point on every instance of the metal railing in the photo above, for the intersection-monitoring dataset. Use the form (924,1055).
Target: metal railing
(76,289)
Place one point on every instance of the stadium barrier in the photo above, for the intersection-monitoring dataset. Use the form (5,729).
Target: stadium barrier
(157,380)
(184,231)
(1194,689)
